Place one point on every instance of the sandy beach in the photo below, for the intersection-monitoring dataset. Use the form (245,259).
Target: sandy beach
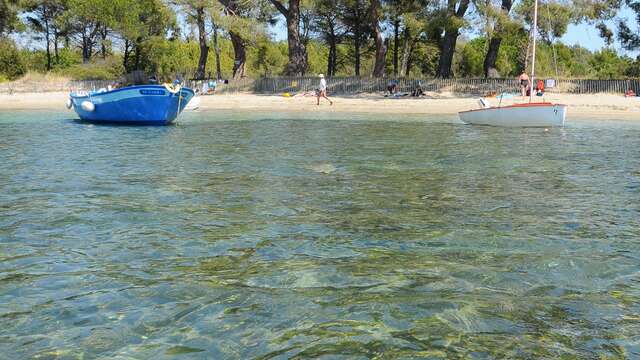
(598,106)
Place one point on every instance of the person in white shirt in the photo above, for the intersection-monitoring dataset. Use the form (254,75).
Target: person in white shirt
(322,91)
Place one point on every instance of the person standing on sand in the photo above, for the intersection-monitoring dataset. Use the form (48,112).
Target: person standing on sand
(322,91)
(525,83)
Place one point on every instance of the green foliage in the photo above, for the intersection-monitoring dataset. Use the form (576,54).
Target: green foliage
(107,69)
(472,58)
(36,60)
(267,59)
(11,65)
(144,25)
(145,35)
(9,16)
(630,39)
(470,61)
(572,61)
(633,69)
(607,64)
(568,62)
(553,17)
(171,57)
(578,62)
(318,54)
(426,57)
(67,57)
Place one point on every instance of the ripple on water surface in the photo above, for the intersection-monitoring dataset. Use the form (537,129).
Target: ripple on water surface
(248,236)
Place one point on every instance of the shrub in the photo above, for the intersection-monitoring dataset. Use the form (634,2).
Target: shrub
(36,60)
(268,60)
(11,65)
(608,65)
(471,59)
(633,70)
(108,69)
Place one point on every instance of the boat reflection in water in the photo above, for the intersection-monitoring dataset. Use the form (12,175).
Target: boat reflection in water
(137,105)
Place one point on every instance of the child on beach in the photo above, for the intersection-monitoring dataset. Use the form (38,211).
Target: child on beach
(322,91)
(540,88)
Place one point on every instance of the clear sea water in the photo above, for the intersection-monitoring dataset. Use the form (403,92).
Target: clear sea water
(277,236)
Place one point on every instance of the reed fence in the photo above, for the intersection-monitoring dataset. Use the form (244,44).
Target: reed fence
(231,87)
(52,86)
(352,85)
(356,85)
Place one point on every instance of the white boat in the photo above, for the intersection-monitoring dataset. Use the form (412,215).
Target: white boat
(531,114)
(194,104)
(519,115)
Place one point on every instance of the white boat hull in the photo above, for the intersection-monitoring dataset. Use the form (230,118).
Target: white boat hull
(194,104)
(521,115)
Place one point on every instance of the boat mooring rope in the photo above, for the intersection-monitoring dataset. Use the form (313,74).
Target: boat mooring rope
(175,89)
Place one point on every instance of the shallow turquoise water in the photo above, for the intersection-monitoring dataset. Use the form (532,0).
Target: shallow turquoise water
(236,236)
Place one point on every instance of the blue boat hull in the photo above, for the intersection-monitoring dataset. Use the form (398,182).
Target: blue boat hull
(138,105)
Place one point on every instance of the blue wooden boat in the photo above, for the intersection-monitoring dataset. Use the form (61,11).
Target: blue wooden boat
(137,105)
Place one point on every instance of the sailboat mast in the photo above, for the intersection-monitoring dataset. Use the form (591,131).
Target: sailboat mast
(533,55)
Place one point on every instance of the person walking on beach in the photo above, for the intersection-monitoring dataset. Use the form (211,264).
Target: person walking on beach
(322,91)
(524,83)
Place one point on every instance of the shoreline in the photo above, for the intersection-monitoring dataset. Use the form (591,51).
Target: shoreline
(592,107)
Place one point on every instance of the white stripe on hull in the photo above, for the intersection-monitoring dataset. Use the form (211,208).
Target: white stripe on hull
(517,116)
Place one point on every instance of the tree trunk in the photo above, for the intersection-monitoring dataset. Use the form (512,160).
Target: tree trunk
(103,44)
(329,61)
(297,65)
(410,57)
(406,50)
(216,49)
(446,54)
(204,48)
(88,40)
(56,47)
(332,49)
(492,57)
(525,60)
(334,60)
(332,41)
(494,45)
(452,30)
(86,52)
(297,52)
(84,46)
(127,52)
(381,48)
(396,40)
(240,55)
(48,40)
(137,57)
(356,46)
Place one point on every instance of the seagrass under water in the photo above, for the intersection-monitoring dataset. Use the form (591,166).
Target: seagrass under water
(237,236)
